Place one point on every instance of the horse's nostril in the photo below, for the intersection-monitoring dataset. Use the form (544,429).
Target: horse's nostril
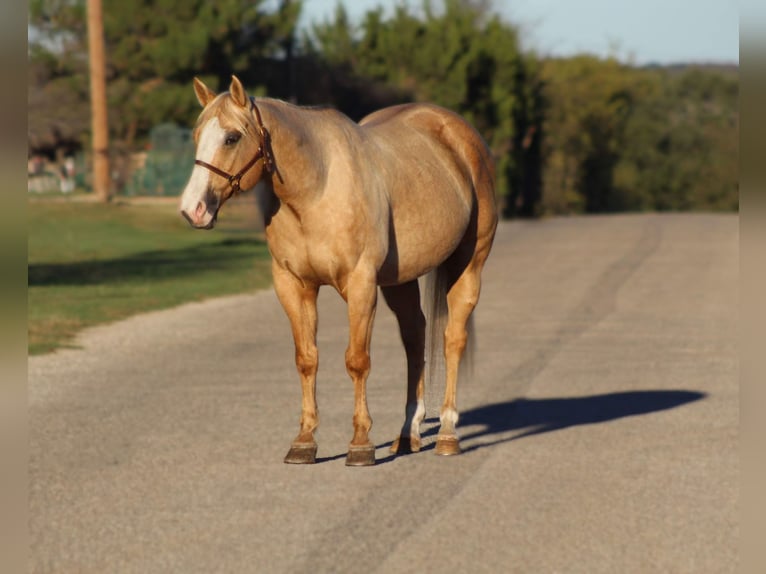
(200,209)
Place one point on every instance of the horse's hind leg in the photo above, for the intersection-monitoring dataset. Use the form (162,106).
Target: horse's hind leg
(462,297)
(404,301)
(299,302)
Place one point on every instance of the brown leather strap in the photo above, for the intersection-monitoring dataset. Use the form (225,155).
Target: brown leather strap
(265,148)
(258,117)
(264,151)
(233,179)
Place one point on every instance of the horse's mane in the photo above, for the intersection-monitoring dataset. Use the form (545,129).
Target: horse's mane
(223,105)
(311,108)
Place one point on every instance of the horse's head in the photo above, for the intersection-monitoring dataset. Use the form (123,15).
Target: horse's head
(233,150)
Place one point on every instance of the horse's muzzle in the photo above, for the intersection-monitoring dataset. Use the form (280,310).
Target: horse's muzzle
(199,213)
(209,225)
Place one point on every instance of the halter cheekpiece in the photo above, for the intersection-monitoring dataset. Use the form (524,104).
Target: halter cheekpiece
(264,152)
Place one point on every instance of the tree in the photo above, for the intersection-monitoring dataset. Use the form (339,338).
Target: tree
(681,147)
(627,138)
(590,103)
(58,96)
(463,57)
(160,45)
(155,48)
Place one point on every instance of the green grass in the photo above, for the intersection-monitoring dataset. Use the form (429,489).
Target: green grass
(90,263)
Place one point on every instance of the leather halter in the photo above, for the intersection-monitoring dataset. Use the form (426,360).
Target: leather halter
(264,152)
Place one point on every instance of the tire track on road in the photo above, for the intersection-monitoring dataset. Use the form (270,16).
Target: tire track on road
(599,302)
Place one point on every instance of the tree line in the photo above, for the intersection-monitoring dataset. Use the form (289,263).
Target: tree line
(569,135)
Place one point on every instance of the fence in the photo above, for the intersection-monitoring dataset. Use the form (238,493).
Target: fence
(165,168)
(47,176)
(45,182)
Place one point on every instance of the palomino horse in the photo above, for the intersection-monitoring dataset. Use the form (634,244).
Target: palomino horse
(408,190)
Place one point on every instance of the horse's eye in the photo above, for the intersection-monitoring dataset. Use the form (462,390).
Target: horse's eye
(232,138)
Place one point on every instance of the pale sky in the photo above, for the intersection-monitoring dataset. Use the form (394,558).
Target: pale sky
(644,31)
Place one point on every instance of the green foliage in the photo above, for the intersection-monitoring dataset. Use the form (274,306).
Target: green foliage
(571,135)
(590,102)
(462,57)
(155,47)
(625,138)
(683,143)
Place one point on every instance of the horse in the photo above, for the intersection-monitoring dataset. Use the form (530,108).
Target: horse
(406,192)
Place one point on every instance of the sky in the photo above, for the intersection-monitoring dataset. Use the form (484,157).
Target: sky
(640,31)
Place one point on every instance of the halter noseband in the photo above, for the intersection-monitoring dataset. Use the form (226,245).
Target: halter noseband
(264,152)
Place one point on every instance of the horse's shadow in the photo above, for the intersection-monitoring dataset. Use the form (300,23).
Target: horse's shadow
(538,416)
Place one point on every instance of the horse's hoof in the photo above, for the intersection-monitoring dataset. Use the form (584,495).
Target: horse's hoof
(447,446)
(360,455)
(405,445)
(302,454)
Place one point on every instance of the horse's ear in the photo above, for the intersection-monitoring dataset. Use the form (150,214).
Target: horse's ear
(204,94)
(237,92)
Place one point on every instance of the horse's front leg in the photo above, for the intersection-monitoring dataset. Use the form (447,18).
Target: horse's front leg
(361,294)
(299,301)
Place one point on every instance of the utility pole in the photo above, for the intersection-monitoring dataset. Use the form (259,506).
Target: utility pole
(289,47)
(99,122)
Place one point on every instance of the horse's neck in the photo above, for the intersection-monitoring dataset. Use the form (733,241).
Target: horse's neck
(298,154)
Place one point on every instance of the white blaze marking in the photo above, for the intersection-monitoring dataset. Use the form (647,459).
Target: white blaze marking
(210,140)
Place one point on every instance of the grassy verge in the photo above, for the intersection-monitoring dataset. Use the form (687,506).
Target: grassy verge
(90,263)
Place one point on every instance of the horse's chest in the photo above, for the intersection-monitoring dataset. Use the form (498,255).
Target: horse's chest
(307,259)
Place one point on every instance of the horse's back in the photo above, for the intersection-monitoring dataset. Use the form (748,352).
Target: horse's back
(402,124)
(445,179)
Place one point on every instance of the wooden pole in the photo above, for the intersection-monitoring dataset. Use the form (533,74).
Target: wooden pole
(99,121)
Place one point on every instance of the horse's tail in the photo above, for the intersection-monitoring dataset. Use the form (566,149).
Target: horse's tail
(436,286)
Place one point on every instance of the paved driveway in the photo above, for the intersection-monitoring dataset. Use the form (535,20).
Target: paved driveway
(600,426)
